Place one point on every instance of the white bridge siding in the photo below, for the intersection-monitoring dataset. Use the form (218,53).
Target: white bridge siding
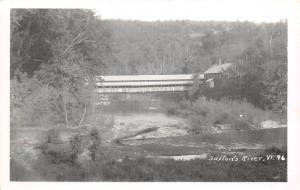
(143,89)
(144,83)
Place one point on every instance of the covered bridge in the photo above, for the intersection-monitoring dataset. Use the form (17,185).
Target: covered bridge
(145,83)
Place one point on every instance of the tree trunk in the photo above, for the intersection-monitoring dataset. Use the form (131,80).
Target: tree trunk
(23,39)
(65,108)
(83,116)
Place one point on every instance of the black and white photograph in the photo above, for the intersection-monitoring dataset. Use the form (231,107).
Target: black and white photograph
(152,93)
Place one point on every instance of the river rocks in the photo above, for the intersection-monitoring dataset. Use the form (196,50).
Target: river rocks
(271,124)
(179,157)
(185,157)
(164,131)
(132,123)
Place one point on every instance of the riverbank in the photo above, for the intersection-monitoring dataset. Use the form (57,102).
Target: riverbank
(143,169)
(209,157)
(169,142)
(154,169)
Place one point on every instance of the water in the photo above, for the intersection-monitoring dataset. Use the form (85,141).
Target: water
(126,124)
(184,157)
(171,139)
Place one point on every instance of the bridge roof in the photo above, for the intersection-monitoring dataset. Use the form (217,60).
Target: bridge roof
(146,83)
(145,77)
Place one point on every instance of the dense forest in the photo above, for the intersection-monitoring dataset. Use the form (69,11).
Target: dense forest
(174,47)
(187,46)
(55,53)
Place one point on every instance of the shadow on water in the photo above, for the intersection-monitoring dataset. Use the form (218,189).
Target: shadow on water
(123,106)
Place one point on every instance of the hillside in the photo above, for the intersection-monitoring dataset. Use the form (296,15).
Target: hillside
(185,46)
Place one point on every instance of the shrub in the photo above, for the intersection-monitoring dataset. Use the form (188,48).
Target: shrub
(19,172)
(53,136)
(143,169)
(276,151)
(94,147)
(58,150)
(50,171)
(177,108)
(240,125)
(171,107)
(205,113)
(101,122)
(76,146)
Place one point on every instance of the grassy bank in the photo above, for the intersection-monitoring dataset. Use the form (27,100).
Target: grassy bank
(194,170)
(74,161)
(205,113)
(144,169)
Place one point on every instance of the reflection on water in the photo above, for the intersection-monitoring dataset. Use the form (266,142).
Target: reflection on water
(132,104)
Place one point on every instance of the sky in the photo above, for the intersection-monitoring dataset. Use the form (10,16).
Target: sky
(199,10)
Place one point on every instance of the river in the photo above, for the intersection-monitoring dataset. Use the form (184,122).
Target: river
(172,140)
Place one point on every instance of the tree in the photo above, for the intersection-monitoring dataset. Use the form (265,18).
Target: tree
(62,50)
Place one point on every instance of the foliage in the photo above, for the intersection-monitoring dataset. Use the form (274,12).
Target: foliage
(277,151)
(171,47)
(260,74)
(144,169)
(66,145)
(60,51)
(172,108)
(205,113)
(19,172)
(76,146)
(58,171)
(256,87)
(276,82)
(59,150)
(95,144)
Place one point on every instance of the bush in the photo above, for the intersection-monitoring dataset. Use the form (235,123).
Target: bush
(50,171)
(53,136)
(94,147)
(58,150)
(34,103)
(177,108)
(101,122)
(276,151)
(205,113)
(143,169)
(240,125)
(171,108)
(19,172)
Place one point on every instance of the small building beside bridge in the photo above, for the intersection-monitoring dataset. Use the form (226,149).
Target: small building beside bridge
(216,72)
